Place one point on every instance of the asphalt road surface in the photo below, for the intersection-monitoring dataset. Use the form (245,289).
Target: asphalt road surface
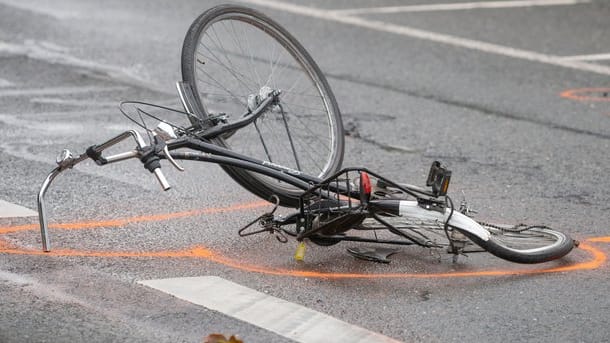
(512,95)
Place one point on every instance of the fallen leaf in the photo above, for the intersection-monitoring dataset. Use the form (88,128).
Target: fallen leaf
(218,338)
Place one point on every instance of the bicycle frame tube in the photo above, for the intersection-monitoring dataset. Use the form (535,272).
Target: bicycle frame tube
(213,153)
(294,180)
(217,154)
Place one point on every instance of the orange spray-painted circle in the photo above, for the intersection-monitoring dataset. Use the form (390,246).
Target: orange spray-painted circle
(596,260)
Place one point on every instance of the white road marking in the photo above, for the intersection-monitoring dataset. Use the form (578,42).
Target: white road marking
(31,117)
(5,83)
(89,103)
(72,102)
(595,57)
(17,279)
(58,90)
(50,292)
(64,126)
(52,53)
(432,36)
(10,210)
(42,7)
(287,319)
(460,6)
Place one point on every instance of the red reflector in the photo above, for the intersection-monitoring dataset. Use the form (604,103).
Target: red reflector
(365,183)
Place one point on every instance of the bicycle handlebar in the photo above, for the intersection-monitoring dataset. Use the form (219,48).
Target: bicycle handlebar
(149,155)
(161,178)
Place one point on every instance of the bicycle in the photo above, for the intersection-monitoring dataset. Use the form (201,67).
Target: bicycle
(287,146)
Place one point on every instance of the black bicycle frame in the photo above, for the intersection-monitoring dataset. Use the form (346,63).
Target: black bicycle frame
(209,152)
(197,138)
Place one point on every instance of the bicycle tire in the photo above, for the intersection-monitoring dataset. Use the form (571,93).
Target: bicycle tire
(219,28)
(549,244)
(532,245)
(521,249)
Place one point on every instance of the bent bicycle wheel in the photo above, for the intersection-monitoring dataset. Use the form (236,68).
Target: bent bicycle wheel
(231,55)
(520,244)
(527,245)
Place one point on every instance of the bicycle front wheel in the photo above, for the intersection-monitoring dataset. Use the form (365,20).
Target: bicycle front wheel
(232,55)
(527,245)
(516,244)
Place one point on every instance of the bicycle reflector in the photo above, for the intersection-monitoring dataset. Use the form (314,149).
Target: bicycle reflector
(365,187)
(438,179)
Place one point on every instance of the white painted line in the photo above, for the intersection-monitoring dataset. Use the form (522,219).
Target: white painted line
(58,90)
(15,278)
(459,6)
(432,36)
(52,53)
(32,117)
(5,83)
(41,7)
(595,57)
(10,210)
(72,102)
(287,319)
(89,103)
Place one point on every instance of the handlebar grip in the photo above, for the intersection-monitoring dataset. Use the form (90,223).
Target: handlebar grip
(162,180)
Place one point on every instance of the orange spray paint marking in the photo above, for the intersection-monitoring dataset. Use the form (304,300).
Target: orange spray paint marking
(598,257)
(599,239)
(587,94)
(139,219)
(18,228)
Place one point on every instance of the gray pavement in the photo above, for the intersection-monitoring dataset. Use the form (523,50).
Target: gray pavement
(518,150)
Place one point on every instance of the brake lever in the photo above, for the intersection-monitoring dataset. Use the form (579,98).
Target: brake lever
(165,132)
(65,159)
(171,159)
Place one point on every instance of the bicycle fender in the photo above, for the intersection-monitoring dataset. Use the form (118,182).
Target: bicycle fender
(411,209)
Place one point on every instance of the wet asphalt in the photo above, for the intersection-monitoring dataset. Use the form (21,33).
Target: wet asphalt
(519,151)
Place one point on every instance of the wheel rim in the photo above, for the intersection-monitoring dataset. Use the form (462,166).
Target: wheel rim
(529,241)
(299,134)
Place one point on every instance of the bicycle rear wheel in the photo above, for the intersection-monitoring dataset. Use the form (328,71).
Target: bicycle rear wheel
(232,53)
